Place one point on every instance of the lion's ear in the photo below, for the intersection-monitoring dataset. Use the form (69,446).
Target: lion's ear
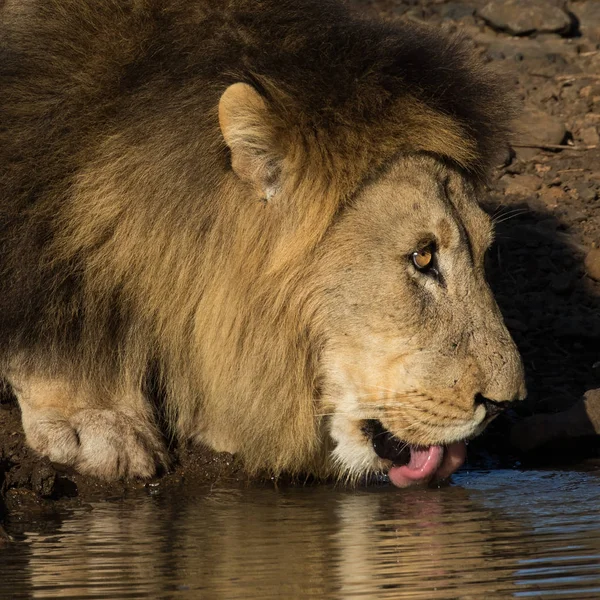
(249,130)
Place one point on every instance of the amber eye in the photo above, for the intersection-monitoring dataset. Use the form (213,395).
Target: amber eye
(423,259)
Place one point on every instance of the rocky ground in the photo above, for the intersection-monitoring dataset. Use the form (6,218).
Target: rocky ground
(544,268)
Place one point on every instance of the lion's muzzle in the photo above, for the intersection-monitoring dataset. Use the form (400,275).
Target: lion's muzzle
(412,464)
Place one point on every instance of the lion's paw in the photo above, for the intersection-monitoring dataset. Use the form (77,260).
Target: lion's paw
(105,443)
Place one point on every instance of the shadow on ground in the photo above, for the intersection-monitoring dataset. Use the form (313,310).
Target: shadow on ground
(553,312)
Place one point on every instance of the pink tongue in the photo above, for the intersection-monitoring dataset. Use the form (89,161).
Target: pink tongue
(425,463)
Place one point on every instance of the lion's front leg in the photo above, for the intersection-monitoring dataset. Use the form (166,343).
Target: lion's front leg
(110,437)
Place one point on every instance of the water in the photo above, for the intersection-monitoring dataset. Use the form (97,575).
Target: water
(497,534)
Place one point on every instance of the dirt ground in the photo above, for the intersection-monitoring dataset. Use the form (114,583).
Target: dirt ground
(546,203)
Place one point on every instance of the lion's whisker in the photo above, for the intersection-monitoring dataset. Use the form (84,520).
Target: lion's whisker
(508,214)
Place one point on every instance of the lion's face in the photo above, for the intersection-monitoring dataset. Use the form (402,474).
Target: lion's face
(416,356)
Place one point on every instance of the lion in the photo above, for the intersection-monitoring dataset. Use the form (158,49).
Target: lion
(251,225)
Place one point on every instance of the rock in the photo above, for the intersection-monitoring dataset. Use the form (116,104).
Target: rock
(456,11)
(535,431)
(588,14)
(574,215)
(582,419)
(43,481)
(552,197)
(541,169)
(516,168)
(523,185)
(591,400)
(523,17)
(538,127)
(592,264)
(589,136)
(586,191)
(505,157)
(416,14)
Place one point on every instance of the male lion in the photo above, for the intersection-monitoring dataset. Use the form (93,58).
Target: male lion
(256,219)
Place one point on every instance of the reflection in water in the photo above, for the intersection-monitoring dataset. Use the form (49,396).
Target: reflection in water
(491,535)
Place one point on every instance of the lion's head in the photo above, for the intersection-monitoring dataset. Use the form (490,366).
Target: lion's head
(414,357)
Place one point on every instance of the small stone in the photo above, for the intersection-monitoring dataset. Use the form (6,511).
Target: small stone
(592,264)
(43,481)
(415,14)
(586,191)
(586,46)
(591,400)
(534,431)
(588,14)
(506,157)
(538,127)
(523,17)
(456,11)
(523,185)
(516,168)
(556,180)
(582,419)
(589,136)
(573,215)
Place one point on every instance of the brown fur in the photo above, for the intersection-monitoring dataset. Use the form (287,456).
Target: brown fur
(165,232)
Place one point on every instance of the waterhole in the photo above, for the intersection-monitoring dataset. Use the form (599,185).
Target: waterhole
(496,534)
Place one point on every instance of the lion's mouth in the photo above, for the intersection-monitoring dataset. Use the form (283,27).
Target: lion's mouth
(412,465)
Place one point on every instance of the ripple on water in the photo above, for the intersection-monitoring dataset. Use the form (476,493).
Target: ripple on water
(491,534)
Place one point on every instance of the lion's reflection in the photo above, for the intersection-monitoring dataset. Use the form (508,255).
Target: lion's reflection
(309,542)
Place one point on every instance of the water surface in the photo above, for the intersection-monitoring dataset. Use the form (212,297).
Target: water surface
(497,534)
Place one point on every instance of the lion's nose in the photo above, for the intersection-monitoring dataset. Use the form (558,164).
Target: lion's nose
(492,407)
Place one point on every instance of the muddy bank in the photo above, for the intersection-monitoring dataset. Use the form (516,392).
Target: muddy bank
(544,268)
(31,484)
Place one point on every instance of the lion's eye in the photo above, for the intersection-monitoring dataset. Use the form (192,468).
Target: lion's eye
(423,259)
